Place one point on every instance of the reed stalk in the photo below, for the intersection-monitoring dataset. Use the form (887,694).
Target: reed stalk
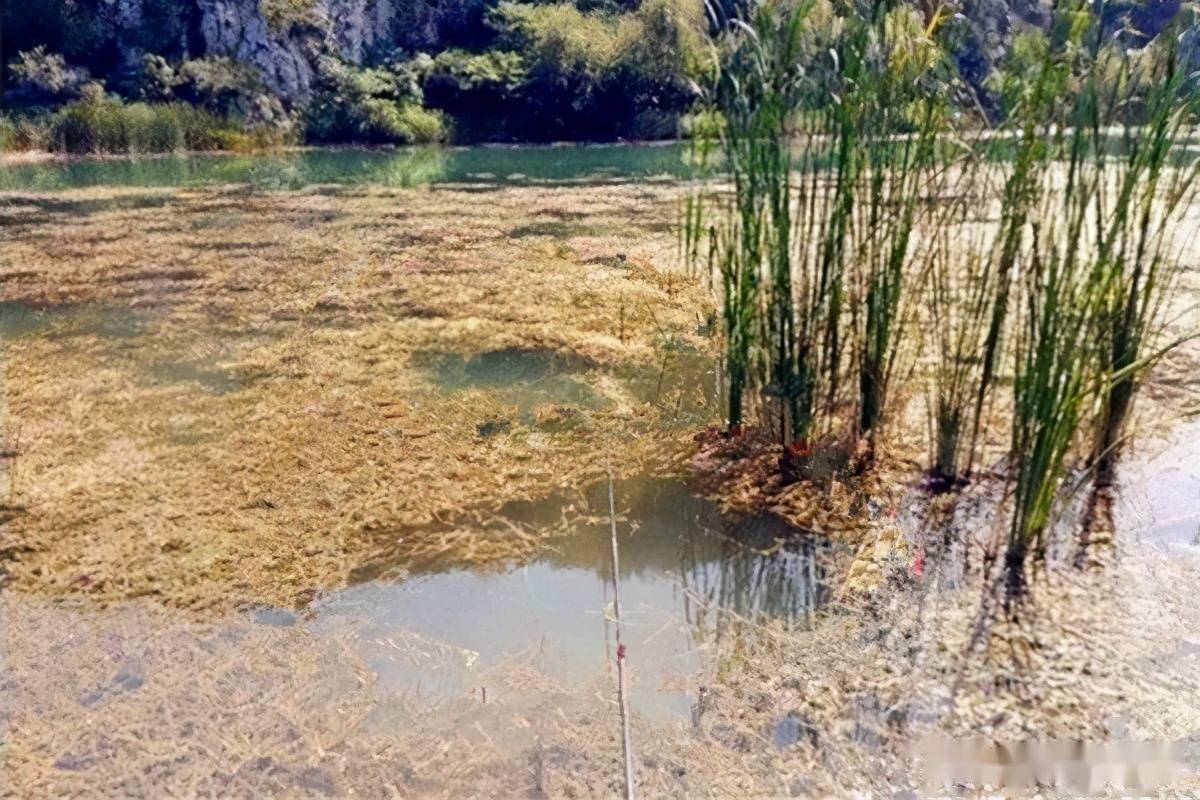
(1137,214)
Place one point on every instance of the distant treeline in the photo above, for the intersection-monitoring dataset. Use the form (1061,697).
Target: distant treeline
(152,75)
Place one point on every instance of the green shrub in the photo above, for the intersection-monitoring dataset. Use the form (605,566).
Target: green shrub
(231,89)
(42,75)
(559,38)
(494,68)
(380,105)
(285,16)
(603,74)
(88,127)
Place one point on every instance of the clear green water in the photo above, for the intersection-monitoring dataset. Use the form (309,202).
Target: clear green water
(403,167)
(483,166)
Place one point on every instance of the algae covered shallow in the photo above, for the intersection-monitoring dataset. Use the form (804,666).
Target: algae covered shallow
(230,396)
(309,498)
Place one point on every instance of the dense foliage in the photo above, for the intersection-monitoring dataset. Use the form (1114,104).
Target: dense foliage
(395,72)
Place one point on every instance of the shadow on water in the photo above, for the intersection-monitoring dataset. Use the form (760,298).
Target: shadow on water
(522,378)
(682,383)
(114,324)
(207,375)
(20,318)
(82,208)
(687,575)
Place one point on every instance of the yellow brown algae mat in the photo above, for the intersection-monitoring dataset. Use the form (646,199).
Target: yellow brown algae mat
(269,424)
(261,422)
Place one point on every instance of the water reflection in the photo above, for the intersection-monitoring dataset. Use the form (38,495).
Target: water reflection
(686,576)
(399,168)
(482,167)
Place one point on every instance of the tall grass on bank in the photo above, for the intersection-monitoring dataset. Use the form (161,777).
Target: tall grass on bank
(104,126)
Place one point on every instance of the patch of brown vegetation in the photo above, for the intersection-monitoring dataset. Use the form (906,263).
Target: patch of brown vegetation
(266,421)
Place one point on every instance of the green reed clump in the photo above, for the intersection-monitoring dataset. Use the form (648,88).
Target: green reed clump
(1095,277)
(900,116)
(1053,369)
(757,91)
(1138,209)
(1046,243)
(972,276)
(808,132)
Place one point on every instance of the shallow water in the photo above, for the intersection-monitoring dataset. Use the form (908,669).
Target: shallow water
(19,318)
(686,574)
(402,167)
(1160,497)
(419,166)
(683,383)
(522,378)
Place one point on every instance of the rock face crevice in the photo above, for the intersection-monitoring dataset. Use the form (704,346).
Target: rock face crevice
(358,26)
(238,29)
(285,55)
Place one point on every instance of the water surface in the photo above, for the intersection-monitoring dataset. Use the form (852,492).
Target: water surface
(1160,497)
(686,575)
(400,167)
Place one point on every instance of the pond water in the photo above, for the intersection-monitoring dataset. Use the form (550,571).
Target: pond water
(686,573)
(400,167)
(525,379)
(419,166)
(434,629)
